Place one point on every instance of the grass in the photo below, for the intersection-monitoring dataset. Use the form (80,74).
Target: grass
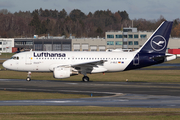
(6,55)
(86,113)
(133,75)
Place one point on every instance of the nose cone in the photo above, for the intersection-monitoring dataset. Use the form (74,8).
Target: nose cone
(5,64)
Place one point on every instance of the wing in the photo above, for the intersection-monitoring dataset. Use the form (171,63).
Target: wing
(84,64)
(90,67)
(85,67)
(89,64)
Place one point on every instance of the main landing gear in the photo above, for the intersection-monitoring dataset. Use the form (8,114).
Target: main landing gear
(84,72)
(28,76)
(85,79)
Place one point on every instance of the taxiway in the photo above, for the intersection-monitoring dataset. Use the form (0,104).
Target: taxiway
(111,94)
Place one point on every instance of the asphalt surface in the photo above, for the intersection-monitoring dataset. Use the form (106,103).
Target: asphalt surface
(111,94)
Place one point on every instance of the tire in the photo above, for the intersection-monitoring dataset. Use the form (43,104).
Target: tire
(85,79)
(28,79)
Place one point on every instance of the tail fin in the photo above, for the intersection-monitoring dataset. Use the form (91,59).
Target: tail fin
(158,41)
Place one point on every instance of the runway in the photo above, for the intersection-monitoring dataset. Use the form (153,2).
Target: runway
(111,94)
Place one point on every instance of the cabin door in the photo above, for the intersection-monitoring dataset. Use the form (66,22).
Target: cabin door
(28,59)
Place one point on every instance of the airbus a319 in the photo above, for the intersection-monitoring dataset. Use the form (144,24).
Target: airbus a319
(65,64)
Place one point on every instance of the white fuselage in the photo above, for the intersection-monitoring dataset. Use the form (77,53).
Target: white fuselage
(44,61)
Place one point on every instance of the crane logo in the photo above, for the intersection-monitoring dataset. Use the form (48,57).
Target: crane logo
(158,43)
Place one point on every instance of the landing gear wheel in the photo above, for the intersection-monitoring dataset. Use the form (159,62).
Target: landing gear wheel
(28,79)
(28,76)
(85,79)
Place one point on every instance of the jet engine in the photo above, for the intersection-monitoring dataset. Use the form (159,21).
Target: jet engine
(63,72)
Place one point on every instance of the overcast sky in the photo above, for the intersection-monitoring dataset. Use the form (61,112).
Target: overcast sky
(146,9)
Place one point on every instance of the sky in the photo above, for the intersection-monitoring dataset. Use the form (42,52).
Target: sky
(146,9)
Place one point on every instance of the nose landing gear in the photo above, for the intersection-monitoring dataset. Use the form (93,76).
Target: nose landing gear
(28,76)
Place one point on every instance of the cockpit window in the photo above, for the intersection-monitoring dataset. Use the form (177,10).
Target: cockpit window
(15,57)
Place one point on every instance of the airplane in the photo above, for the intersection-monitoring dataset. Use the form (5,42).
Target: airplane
(65,64)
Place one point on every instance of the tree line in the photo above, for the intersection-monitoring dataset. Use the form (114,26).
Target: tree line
(57,23)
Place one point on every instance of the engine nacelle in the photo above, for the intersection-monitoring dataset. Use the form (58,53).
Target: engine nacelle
(62,72)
